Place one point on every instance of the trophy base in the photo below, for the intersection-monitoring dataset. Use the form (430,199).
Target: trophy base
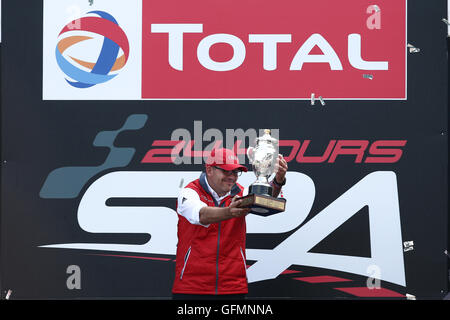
(260,189)
(263,205)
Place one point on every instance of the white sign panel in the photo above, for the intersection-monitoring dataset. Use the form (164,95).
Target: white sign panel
(91,43)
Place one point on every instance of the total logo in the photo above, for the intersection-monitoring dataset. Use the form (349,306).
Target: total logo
(111,57)
(184,50)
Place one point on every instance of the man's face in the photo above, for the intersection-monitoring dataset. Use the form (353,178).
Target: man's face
(221,180)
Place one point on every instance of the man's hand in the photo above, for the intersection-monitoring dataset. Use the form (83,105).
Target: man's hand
(235,211)
(281,168)
(208,215)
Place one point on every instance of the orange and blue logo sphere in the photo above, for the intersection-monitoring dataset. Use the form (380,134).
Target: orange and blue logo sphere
(85,74)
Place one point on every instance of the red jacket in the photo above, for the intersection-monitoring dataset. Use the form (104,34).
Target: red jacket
(211,260)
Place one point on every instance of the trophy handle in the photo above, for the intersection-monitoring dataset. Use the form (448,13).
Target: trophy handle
(250,154)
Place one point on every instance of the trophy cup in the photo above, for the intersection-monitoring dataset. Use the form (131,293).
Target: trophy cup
(263,158)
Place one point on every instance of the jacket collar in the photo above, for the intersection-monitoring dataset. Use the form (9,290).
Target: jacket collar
(234,190)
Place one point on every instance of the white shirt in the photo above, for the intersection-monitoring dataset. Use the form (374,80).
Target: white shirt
(189,203)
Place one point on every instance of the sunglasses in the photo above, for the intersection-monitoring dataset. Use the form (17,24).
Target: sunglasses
(230,172)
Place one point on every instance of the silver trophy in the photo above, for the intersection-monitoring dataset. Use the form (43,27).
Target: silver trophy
(263,158)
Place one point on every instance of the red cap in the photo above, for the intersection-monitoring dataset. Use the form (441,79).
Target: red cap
(225,159)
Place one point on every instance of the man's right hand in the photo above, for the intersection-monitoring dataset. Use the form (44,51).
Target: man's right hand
(235,211)
(208,215)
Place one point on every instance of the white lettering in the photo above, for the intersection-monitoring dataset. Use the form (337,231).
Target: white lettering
(373,281)
(377,190)
(250,309)
(176,32)
(270,53)
(194,310)
(354,56)
(270,42)
(329,55)
(374,20)
(74,280)
(238,52)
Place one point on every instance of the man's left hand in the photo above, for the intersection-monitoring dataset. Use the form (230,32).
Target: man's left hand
(280,168)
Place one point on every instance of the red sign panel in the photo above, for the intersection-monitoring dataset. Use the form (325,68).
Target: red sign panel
(287,49)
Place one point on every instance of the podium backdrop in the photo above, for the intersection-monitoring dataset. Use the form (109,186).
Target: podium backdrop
(109,108)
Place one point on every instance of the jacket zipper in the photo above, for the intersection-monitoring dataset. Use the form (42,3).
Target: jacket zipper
(218,234)
(186,258)
(218,246)
(217,260)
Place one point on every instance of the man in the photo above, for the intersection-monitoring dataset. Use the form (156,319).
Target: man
(210,261)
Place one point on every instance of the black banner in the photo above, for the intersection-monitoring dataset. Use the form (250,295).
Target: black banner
(89,186)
